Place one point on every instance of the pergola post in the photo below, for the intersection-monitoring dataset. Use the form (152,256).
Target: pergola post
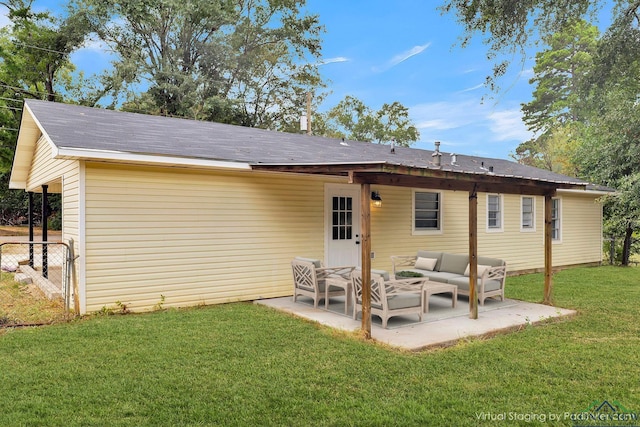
(548,258)
(473,253)
(365,241)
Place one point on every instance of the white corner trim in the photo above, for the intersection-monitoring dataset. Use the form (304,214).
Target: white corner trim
(81,262)
(121,156)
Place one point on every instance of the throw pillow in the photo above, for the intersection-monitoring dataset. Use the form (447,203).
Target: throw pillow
(426,263)
(481,269)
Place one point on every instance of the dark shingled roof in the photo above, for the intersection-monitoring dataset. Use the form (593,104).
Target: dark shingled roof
(83,128)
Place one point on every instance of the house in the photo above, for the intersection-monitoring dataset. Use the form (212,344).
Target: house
(189,212)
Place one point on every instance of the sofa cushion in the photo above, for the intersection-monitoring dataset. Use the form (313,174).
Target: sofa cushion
(481,268)
(383,273)
(463,283)
(493,262)
(426,263)
(439,276)
(316,262)
(431,254)
(395,302)
(454,263)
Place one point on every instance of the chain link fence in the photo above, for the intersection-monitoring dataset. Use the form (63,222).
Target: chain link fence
(49,265)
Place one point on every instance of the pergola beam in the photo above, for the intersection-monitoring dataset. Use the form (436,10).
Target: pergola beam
(504,186)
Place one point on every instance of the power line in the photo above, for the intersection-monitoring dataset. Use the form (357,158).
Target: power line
(29,91)
(10,99)
(40,48)
(11,108)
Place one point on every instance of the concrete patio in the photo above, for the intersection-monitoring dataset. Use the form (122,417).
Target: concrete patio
(442,326)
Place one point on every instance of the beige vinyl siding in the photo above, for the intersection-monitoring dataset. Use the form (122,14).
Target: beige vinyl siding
(47,170)
(391,225)
(195,237)
(391,232)
(581,228)
(71,206)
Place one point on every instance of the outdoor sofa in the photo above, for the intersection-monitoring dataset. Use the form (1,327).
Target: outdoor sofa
(454,269)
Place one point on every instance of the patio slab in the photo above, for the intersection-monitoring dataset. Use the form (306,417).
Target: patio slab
(442,326)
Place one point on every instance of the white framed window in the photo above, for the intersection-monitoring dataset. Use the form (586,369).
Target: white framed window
(494,212)
(427,212)
(556,219)
(527,213)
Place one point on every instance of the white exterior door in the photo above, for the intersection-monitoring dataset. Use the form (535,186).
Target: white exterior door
(342,225)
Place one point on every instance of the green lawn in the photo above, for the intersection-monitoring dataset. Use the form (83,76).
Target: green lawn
(247,365)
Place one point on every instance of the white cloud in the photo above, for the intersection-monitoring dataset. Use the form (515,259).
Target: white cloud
(4,18)
(97,46)
(470,89)
(466,125)
(527,74)
(507,125)
(333,60)
(401,57)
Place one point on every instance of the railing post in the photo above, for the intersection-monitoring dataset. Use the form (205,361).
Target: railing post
(45,255)
(30,217)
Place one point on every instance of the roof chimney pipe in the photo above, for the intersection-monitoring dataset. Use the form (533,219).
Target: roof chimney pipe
(437,155)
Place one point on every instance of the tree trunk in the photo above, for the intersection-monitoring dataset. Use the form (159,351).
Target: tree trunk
(626,246)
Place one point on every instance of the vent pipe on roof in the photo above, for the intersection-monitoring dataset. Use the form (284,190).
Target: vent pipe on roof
(454,157)
(437,155)
(393,146)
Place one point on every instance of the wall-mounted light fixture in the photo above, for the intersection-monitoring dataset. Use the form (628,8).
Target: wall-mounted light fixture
(376,200)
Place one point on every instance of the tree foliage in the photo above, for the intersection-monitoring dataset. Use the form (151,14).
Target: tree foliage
(354,120)
(558,111)
(34,63)
(595,104)
(245,62)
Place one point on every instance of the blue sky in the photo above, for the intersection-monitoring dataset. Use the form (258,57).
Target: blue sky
(406,51)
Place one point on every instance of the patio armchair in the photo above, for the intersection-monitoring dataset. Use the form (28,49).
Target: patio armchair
(390,297)
(312,279)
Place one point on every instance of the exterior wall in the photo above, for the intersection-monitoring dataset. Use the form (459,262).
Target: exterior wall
(581,230)
(47,170)
(178,237)
(195,237)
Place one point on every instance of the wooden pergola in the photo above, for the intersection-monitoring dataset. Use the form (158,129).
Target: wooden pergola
(383,173)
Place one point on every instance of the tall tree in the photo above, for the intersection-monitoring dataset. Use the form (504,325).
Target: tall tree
(246,62)
(34,63)
(352,119)
(509,27)
(558,109)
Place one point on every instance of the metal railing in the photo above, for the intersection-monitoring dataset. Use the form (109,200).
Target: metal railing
(49,265)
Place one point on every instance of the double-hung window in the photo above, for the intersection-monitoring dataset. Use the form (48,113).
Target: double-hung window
(528,217)
(494,212)
(556,223)
(427,211)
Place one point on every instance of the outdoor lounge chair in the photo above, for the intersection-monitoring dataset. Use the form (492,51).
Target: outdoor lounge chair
(312,279)
(389,297)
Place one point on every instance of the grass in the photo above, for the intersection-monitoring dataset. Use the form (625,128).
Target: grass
(242,364)
(26,304)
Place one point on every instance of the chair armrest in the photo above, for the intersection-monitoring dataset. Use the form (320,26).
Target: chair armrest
(403,286)
(343,271)
(494,273)
(403,261)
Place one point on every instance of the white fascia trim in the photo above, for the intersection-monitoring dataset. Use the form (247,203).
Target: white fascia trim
(120,156)
(592,192)
(45,135)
